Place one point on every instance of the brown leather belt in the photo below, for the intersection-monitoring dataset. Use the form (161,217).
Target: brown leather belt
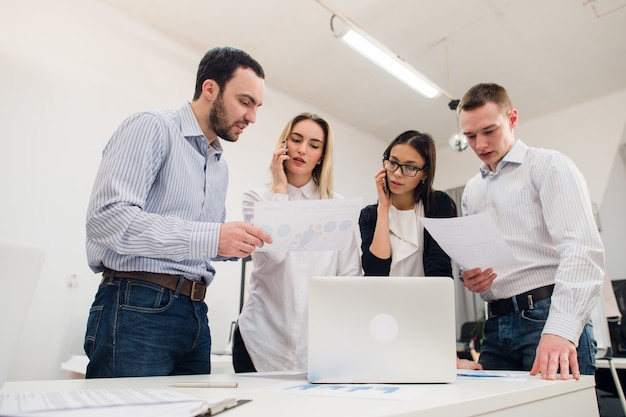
(524,301)
(195,290)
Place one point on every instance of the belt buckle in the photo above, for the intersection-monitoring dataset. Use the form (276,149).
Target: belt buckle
(196,286)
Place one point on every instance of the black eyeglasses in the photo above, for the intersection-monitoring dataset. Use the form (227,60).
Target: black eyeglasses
(407,170)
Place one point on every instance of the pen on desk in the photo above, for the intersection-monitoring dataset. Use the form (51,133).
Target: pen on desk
(204,384)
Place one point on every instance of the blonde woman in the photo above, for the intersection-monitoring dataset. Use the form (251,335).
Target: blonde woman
(271,334)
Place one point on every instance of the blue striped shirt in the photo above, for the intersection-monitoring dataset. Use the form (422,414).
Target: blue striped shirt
(539,200)
(158,199)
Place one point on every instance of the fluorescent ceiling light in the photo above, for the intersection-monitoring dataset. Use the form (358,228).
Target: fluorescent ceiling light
(388,61)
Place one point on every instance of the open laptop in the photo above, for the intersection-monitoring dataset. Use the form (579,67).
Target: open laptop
(381,330)
(20,266)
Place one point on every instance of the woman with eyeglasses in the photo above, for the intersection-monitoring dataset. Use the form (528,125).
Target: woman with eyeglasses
(272,330)
(393,241)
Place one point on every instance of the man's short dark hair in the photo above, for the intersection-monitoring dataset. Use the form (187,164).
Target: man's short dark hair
(220,64)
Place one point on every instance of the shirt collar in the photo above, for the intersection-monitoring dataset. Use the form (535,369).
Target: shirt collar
(191,129)
(307,190)
(515,155)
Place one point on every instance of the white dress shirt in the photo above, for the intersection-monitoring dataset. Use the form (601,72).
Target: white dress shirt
(540,203)
(274,322)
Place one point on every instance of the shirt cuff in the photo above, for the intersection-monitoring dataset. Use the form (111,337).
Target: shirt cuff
(564,326)
(205,238)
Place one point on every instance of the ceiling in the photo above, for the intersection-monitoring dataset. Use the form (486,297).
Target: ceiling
(548,54)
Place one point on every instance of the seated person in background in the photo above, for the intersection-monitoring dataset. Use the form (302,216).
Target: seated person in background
(540,306)
(272,330)
(394,241)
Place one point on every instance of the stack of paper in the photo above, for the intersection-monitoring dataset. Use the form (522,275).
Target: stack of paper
(107,402)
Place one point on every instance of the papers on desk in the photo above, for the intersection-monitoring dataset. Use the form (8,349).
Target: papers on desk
(403,392)
(307,225)
(77,364)
(107,402)
(499,375)
(471,241)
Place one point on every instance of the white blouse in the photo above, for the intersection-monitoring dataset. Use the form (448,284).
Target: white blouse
(406,233)
(274,321)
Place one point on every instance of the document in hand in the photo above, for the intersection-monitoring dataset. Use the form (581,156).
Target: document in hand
(307,225)
(107,402)
(471,241)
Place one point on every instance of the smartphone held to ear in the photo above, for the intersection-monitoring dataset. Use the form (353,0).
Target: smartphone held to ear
(386,185)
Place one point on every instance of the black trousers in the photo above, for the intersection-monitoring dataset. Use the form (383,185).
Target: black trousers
(241,357)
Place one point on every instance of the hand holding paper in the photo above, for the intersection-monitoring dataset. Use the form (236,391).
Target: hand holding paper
(471,241)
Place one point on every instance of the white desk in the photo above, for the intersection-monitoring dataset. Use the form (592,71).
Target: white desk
(620,363)
(463,398)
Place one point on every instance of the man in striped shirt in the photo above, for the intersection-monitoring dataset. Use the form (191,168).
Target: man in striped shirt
(156,220)
(540,306)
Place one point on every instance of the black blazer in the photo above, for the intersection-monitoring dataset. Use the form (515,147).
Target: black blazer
(436,262)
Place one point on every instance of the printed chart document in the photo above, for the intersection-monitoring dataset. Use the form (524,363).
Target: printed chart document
(471,241)
(307,225)
(372,391)
(108,402)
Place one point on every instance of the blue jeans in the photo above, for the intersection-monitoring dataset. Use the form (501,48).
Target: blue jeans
(136,328)
(510,341)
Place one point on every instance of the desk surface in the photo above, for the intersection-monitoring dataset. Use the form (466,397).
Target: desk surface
(618,362)
(465,397)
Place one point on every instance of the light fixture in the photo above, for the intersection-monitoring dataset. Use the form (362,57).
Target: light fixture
(356,38)
(457,139)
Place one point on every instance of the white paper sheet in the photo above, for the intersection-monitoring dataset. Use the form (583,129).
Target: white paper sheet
(471,241)
(307,225)
(77,364)
(107,402)
(500,375)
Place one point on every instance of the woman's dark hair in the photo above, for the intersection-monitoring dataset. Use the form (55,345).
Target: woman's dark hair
(424,144)
(220,64)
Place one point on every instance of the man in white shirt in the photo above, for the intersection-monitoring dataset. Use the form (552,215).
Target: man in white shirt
(540,306)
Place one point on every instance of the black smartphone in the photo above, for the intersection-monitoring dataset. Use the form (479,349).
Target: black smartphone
(386,185)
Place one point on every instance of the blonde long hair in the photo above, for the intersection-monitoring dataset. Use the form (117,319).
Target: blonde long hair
(322,173)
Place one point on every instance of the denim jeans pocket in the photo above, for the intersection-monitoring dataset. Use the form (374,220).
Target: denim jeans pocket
(145,297)
(539,314)
(93,323)
(587,351)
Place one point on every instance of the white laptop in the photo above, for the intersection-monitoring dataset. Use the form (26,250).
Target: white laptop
(382,330)
(20,266)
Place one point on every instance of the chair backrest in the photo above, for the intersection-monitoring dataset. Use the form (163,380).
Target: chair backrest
(20,266)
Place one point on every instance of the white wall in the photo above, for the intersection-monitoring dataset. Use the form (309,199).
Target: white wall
(612,214)
(71,71)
